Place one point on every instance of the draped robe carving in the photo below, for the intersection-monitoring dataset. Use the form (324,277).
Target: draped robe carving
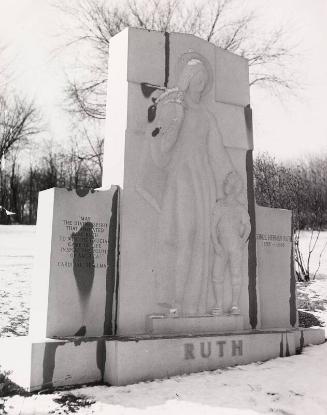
(181,176)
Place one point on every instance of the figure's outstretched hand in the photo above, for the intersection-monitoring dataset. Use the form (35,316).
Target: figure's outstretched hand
(170,115)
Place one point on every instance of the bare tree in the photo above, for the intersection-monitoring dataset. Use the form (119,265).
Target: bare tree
(92,155)
(225,23)
(19,120)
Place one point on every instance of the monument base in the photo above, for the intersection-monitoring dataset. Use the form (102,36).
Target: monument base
(157,357)
(194,324)
(52,363)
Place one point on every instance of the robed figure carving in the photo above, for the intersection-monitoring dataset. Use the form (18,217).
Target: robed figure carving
(189,164)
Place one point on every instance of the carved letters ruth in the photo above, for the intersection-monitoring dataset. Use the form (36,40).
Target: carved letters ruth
(213,349)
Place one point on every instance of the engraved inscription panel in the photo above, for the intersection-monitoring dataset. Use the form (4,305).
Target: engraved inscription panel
(83,242)
(273,240)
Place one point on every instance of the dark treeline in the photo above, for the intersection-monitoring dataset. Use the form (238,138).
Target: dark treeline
(19,191)
(300,186)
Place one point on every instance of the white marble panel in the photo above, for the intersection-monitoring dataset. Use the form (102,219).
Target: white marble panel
(71,276)
(232,78)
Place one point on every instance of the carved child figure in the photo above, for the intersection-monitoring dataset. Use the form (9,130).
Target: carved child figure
(229,232)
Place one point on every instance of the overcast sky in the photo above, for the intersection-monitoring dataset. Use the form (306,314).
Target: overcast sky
(287,129)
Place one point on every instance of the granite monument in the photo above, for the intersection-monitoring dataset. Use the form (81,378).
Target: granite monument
(170,267)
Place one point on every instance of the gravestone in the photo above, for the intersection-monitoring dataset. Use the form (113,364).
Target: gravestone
(275,259)
(181,272)
(182,159)
(75,263)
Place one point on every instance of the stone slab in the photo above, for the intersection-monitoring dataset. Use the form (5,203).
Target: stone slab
(189,325)
(140,359)
(117,98)
(233,126)
(275,272)
(15,357)
(129,161)
(146,55)
(75,266)
(309,336)
(232,78)
(49,363)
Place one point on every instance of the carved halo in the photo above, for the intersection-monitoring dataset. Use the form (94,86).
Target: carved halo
(185,58)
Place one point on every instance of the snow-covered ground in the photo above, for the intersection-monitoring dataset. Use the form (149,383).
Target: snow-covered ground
(16,262)
(319,255)
(288,386)
(312,296)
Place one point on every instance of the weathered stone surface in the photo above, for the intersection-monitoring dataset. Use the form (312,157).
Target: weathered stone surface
(50,363)
(199,324)
(170,147)
(147,359)
(232,124)
(276,280)
(232,85)
(198,264)
(309,336)
(75,267)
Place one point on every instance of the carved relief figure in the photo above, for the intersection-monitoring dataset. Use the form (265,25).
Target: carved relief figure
(230,231)
(187,148)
